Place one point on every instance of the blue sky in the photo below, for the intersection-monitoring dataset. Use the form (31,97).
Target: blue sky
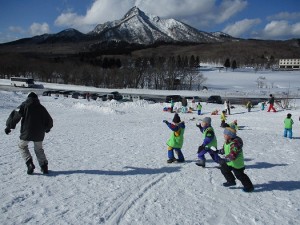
(262,19)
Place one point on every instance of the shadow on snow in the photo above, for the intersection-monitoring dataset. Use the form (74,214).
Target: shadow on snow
(131,171)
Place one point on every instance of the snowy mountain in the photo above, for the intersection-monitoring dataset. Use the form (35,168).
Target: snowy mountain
(136,27)
(141,28)
(220,34)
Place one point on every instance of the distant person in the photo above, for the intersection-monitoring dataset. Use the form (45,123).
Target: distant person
(88,95)
(225,106)
(228,107)
(172,105)
(288,126)
(271,102)
(223,118)
(199,108)
(249,106)
(184,105)
(234,125)
(263,104)
(35,122)
(209,140)
(175,141)
(234,161)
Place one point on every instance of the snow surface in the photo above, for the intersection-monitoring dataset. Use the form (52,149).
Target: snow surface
(107,164)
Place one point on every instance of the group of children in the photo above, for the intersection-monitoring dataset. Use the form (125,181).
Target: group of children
(232,165)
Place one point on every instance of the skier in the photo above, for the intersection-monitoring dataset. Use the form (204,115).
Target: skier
(209,140)
(35,122)
(175,141)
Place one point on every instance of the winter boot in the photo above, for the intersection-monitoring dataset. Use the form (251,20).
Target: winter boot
(30,166)
(171,160)
(228,184)
(200,162)
(44,168)
(248,189)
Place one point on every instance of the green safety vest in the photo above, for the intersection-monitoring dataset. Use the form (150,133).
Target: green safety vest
(238,163)
(176,141)
(288,123)
(213,143)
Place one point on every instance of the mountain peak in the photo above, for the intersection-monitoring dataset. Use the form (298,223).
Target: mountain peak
(134,11)
(140,28)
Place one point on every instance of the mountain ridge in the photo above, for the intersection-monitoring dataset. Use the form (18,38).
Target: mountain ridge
(135,27)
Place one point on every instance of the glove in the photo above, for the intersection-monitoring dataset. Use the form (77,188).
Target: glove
(165,121)
(7,130)
(47,131)
(220,151)
(198,125)
(200,148)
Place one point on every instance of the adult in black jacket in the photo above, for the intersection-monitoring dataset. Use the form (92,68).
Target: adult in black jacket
(35,122)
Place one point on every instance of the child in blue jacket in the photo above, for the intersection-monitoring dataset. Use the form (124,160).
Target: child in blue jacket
(175,141)
(209,140)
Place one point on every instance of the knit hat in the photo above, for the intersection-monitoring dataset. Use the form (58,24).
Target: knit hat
(230,132)
(32,95)
(176,118)
(207,120)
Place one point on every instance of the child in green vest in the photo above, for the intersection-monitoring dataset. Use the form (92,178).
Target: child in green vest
(199,108)
(175,141)
(232,166)
(209,141)
(288,126)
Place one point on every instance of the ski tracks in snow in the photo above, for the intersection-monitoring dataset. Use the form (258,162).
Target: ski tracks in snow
(121,207)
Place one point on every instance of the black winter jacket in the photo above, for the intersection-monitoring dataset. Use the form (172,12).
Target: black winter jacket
(35,120)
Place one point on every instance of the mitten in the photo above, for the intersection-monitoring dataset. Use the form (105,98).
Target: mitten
(165,121)
(7,130)
(221,151)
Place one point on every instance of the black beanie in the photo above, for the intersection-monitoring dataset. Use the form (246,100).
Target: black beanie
(176,118)
(32,95)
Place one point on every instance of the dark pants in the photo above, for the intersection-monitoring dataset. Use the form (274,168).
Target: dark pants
(238,173)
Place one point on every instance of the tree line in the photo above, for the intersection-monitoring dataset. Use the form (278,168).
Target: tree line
(167,73)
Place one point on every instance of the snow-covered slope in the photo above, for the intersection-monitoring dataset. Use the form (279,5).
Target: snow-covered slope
(107,164)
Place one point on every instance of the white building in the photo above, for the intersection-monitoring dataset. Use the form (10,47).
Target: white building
(289,64)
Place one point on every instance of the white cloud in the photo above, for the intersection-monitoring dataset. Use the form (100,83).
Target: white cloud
(15,29)
(196,13)
(241,27)
(280,29)
(228,9)
(285,16)
(38,29)
(100,12)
